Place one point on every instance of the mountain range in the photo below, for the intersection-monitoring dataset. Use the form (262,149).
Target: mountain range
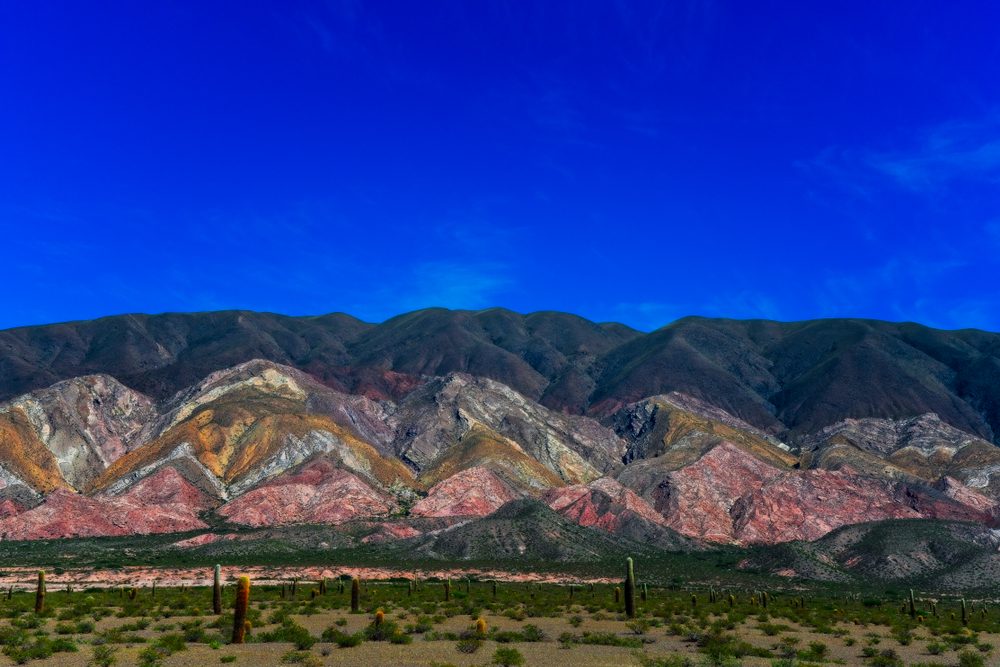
(443,431)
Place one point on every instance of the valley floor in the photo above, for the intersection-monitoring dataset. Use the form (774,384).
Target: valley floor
(545,624)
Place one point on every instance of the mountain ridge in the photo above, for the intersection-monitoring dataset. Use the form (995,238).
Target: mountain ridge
(781,377)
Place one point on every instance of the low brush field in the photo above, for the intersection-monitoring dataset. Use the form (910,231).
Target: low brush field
(466,622)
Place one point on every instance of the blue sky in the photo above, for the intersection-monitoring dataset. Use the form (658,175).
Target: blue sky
(629,161)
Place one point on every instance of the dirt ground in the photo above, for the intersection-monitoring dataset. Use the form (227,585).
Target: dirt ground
(546,653)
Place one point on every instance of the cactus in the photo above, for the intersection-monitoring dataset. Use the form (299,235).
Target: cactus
(571,592)
(629,589)
(240,624)
(965,613)
(732,600)
(913,605)
(322,586)
(40,593)
(764,598)
(379,618)
(295,587)
(447,590)
(132,593)
(409,587)
(645,593)
(481,626)
(355,594)
(217,590)
(494,590)
(468,585)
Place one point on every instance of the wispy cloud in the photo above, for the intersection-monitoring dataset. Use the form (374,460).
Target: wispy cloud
(950,152)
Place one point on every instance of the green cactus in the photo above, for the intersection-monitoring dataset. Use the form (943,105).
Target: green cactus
(913,605)
(40,593)
(645,593)
(629,589)
(217,590)
(965,613)
(618,595)
(355,595)
(447,590)
(494,589)
(240,623)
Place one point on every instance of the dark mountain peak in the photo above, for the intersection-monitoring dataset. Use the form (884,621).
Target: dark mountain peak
(794,377)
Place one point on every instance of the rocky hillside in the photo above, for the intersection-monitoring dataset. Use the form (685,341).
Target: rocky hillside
(785,379)
(459,462)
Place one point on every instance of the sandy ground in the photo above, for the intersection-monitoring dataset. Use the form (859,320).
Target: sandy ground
(424,653)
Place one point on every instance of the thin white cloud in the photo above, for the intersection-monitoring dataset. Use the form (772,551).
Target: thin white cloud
(950,152)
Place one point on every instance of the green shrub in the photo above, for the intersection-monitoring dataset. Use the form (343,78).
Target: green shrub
(342,639)
(970,659)
(508,657)
(470,645)
(104,656)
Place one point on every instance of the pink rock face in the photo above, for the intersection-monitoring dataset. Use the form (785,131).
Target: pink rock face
(197,541)
(960,493)
(163,502)
(729,495)
(317,493)
(472,492)
(603,504)
(389,532)
(9,508)
(696,500)
(808,505)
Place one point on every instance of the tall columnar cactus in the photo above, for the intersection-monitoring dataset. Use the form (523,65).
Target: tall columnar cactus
(965,613)
(447,590)
(217,590)
(913,605)
(379,618)
(732,600)
(494,589)
(764,599)
(240,623)
(322,586)
(409,586)
(618,595)
(645,592)
(40,593)
(355,594)
(629,589)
